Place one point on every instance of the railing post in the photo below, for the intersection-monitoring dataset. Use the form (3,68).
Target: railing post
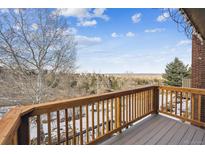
(23,131)
(118,116)
(156,100)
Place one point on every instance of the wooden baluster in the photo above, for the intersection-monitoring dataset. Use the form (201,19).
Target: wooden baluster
(143,105)
(192,106)
(66,125)
(133,113)
(81,126)
(38,122)
(152,100)
(118,112)
(186,110)
(115,113)
(148,101)
(111,114)
(187,114)
(130,100)
(123,109)
(176,102)
(145,101)
(107,116)
(93,120)
(129,107)
(140,104)
(137,105)
(58,127)
(171,102)
(133,107)
(126,111)
(87,124)
(166,100)
(74,139)
(49,127)
(103,118)
(180,103)
(199,107)
(162,105)
(98,119)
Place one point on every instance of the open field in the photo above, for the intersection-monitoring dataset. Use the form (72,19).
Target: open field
(76,85)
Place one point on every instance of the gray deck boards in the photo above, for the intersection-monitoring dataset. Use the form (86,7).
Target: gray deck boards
(159,129)
(186,140)
(123,137)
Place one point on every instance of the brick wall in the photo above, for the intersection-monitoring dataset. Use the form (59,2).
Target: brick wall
(198,70)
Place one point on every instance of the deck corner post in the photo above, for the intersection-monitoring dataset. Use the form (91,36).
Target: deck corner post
(156,100)
(23,131)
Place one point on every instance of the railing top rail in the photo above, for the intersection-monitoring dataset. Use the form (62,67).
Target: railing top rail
(183,89)
(58,105)
(10,122)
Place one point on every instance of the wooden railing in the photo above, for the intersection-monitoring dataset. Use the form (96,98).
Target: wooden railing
(182,103)
(85,120)
(88,120)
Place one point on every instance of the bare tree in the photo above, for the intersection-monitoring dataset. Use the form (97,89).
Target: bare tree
(35,44)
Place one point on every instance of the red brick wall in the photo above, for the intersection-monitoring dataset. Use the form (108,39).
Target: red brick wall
(198,70)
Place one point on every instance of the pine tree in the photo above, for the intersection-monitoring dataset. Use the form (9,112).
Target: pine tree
(175,72)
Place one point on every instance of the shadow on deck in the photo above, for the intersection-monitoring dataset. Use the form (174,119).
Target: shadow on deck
(158,129)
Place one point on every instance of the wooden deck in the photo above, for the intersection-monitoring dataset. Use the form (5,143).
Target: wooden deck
(158,129)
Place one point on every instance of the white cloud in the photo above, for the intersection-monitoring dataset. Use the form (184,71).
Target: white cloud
(163,17)
(99,12)
(74,12)
(114,35)
(184,42)
(87,41)
(136,17)
(130,34)
(154,30)
(84,13)
(87,23)
(85,16)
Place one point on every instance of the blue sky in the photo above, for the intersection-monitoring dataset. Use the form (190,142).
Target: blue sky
(126,40)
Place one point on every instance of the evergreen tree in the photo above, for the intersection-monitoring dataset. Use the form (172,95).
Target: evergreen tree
(175,72)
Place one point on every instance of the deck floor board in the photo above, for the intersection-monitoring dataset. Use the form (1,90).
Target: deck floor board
(179,135)
(198,137)
(158,129)
(186,140)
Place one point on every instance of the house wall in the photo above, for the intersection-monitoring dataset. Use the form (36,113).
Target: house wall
(198,71)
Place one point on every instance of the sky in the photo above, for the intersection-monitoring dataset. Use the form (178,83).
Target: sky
(126,40)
